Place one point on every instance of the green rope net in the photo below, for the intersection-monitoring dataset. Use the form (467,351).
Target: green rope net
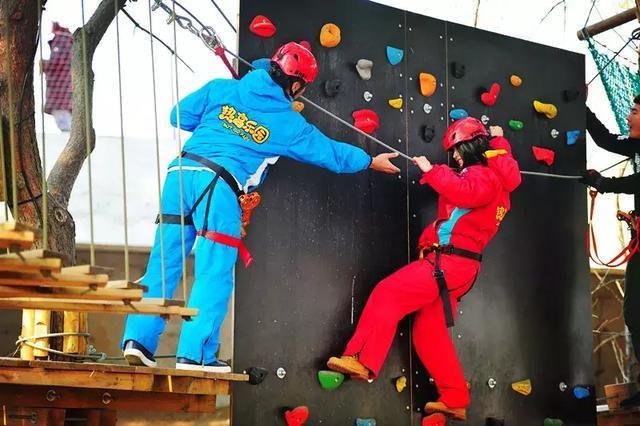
(620,83)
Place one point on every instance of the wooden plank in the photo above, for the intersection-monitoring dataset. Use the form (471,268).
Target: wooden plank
(87,270)
(55,280)
(158,301)
(96,306)
(19,239)
(35,254)
(122,284)
(18,264)
(17,227)
(69,397)
(70,293)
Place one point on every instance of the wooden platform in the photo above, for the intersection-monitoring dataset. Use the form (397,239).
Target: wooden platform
(94,386)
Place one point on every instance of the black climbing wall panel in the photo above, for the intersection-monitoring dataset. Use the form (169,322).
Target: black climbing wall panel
(322,241)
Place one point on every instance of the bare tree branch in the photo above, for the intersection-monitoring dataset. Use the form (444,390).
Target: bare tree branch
(475,20)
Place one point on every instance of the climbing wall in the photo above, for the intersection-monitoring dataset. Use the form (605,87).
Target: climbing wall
(322,241)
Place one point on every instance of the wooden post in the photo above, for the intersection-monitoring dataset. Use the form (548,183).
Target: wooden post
(28,316)
(609,23)
(41,327)
(75,322)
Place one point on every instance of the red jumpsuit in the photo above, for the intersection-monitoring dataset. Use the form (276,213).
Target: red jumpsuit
(471,206)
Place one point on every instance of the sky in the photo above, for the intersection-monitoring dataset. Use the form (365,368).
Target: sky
(146,155)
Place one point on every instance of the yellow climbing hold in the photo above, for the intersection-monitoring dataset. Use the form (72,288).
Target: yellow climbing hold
(297,106)
(401,383)
(396,103)
(523,387)
(515,80)
(330,35)
(549,110)
(428,84)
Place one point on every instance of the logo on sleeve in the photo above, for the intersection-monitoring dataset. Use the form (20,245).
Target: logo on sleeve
(240,124)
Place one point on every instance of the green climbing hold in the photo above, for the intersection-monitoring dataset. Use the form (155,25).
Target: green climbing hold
(553,422)
(516,125)
(330,380)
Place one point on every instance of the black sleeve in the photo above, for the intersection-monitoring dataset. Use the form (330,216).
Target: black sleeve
(606,140)
(623,185)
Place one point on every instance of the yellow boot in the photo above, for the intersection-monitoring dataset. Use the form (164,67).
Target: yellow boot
(349,365)
(452,413)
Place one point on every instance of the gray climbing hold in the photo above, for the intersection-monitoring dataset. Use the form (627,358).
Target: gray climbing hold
(364,67)
(427,108)
(367,96)
(485,120)
(554,133)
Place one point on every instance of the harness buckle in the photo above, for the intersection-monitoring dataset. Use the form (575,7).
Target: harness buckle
(438,274)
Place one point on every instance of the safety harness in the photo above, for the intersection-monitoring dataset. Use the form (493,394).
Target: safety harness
(247,203)
(438,273)
(632,221)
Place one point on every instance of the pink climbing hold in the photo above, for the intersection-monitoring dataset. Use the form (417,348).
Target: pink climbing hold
(298,416)
(262,27)
(366,120)
(489,98)
(543,154)
(305,44)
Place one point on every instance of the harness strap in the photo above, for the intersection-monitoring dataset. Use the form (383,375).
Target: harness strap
(174,219)
(218,169)
(228,240)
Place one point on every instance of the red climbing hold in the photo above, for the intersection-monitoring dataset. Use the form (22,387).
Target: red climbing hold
(305,44)
(489,98)
(437,419)
(366,120)
(297,417)
(262,26)
(544,154)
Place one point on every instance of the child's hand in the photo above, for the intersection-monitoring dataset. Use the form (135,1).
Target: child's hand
(496,131)
(382,163)
(422,163)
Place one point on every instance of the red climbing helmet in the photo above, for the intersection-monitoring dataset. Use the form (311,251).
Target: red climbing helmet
(463,130)
(297,61)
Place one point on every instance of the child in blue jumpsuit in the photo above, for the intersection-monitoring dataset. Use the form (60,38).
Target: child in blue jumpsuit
(240,127)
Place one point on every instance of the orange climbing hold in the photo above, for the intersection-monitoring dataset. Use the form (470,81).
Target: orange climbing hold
(428,84)
(549,110)
(543,154)
(330,35)
(523,387)
(515,81)
(262,27)
(297,106)
(396,103)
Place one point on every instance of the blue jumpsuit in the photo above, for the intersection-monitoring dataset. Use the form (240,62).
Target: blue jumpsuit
(244,126)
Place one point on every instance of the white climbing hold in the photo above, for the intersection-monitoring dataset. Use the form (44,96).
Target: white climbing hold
(554,133)
(367,96)
(427,108)
(485,120)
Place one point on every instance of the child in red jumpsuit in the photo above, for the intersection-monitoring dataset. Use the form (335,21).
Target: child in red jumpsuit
(473,202)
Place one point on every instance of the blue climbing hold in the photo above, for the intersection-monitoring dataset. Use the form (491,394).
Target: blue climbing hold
(261,64)
(365,422)
(458,113)
(581,392)
(394,55)
(572,136)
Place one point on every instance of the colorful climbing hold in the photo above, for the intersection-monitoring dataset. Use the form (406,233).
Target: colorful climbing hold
(437,419)
(573,136)
(366,120)
(305,44)
(515,80)
(262,26)
(332,88)
(485,120)
(428,133)
(570,95)
(261,64)
(367,96)
(553,422)
(394,55)
(401,382)
(365,422)
(554,133)
(364,68)
(330,380)
(458,113)
(458,70)
(523,387)
(581,392)
(330,35)
(516,125)
(297,106)
(396,103)
(489,98)
(427,108)
(543,154)
(428,84)
(298,416)
(549,110)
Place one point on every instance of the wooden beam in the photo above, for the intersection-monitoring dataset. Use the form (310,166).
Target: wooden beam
(609,23)
(96,306)
(88,270)
(158,301)
(30,265)
(55,279)
(122,284)
(79,398)
(19,239)
(70,293)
